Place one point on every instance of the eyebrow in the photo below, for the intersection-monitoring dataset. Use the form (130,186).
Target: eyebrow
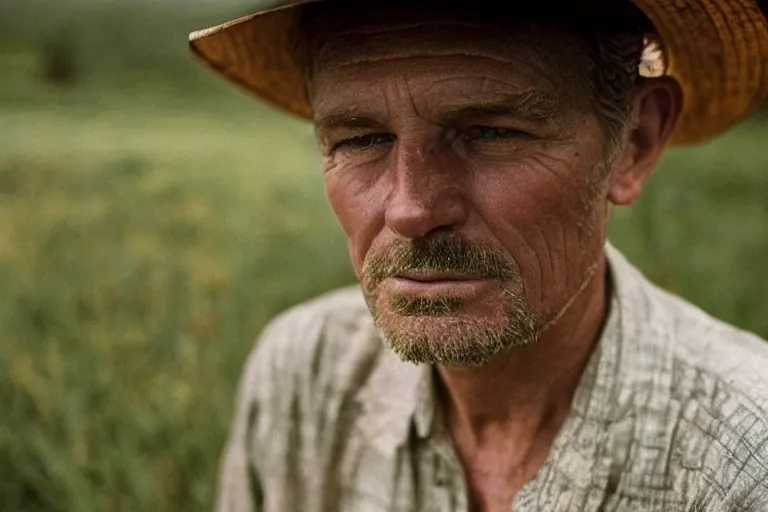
(344,120)
(534,105)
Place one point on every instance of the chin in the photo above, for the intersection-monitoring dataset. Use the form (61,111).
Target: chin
(453,331)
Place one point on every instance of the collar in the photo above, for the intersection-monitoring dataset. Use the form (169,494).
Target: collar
(400,396)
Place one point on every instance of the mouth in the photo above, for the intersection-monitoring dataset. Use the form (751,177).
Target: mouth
(436,276)
(438,284)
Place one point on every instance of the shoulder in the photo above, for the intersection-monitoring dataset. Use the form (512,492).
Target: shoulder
(708,357)
(320,347)
(335,327)
(720,383)
(734,359)
(294,401)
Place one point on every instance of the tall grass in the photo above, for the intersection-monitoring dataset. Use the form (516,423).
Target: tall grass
(152,220)
(138,261)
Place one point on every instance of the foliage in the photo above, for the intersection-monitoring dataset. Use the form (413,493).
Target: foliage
(138,262)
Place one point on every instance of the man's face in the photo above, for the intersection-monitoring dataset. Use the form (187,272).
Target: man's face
(468,171)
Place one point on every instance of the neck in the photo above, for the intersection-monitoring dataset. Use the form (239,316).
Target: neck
(522,397)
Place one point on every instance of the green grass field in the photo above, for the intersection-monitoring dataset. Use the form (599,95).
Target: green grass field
(152,220)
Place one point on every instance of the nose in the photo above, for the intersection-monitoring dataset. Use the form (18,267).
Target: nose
(425,192)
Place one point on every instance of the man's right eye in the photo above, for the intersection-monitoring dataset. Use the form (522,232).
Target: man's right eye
(363,142)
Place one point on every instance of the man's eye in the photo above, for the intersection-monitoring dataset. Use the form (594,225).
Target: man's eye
(365,141)
(492,133)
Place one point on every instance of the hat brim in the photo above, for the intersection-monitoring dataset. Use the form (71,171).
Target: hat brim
(716,49)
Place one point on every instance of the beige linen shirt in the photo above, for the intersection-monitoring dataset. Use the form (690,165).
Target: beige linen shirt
(671,414)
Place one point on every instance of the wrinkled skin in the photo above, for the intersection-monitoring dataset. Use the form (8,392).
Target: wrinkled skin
(431,130)
(417,145)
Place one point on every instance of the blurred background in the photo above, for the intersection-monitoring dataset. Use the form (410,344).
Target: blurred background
(153,218)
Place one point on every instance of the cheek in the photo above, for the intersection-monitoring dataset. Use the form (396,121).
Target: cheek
(540,190)
(358,206)
(545,211)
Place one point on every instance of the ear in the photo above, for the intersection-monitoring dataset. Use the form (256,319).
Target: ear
(655,109)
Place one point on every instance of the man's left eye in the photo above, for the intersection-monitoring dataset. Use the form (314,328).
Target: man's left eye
(492,133)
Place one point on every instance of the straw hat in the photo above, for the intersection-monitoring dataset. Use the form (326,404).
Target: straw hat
(716,49)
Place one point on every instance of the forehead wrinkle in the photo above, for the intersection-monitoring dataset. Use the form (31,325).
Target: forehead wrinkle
(494,89)
(428,38)
(529,26)
(406,43)
(538,97)
(358,59)
(451,98)
(510,48)
(405,89)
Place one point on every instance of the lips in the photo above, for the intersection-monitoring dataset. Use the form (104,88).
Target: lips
(438,284)
(436,276)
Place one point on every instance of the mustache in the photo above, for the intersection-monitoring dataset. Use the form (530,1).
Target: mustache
(445,252)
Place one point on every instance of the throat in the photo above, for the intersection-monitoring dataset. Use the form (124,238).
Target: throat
(498,461)
(504,417)
(494,480)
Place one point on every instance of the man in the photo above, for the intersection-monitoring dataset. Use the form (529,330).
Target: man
(472,154)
